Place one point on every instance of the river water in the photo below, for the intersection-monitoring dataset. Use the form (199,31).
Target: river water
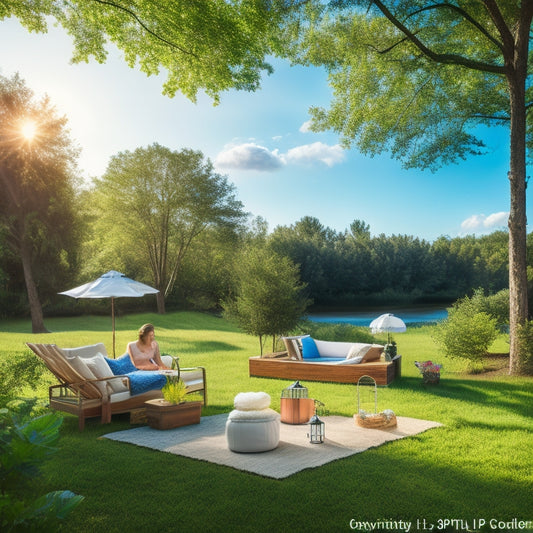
(410,315)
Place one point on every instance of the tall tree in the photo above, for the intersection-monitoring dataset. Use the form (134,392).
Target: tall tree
(212,45)
(269,297)
(37,176)
(157,201)
(416,77)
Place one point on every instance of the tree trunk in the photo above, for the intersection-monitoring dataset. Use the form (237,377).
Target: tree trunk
(518,303)
(160,302)
(36,310)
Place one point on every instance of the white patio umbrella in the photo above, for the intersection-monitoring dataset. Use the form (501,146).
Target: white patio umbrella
(387,323)
(112,285)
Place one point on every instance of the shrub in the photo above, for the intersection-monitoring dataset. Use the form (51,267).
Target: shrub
(466,334)
(18,371)
(24,445)
(495,305)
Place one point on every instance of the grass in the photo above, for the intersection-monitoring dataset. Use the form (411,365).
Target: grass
(478,465)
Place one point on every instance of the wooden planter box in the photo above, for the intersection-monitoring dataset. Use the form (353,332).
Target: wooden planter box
(164,415)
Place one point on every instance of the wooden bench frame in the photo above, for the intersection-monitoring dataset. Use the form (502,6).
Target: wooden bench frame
(280,366)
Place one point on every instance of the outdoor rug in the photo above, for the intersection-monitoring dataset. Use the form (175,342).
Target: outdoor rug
(207,441)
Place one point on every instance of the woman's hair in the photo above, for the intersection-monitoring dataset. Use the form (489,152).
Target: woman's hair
(144,330)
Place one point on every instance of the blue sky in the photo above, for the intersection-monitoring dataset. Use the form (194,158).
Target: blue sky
(282,172)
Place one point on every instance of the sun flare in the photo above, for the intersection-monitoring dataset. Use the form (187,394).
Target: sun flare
(29,130)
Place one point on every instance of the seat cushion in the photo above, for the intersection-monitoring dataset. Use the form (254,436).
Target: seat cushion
(251,401)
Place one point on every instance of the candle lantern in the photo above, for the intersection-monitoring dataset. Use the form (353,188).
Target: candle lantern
(296,390)
(317,430)
(295,406)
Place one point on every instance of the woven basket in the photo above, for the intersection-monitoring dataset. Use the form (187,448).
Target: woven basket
(431,377)
(377,421)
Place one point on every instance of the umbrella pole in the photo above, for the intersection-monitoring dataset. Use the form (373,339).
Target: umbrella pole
(113,322)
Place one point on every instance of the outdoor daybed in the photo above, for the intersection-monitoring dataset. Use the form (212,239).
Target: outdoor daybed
(308,359)
(92,385)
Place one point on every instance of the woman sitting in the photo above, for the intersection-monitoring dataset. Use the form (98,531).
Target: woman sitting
(144,352)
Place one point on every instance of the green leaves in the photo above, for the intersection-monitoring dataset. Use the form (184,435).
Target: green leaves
(269,295)
(160,200)
(24,446)
(389,95)
(213,45)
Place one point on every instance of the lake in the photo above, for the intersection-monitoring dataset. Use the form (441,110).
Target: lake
(410,315)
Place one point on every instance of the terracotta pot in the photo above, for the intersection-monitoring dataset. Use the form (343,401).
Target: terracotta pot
(165,415)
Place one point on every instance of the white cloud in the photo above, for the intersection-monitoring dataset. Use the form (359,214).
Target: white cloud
(496,220)
(309,153)
(305,127)
(249,156)
(252,156)
(480,223)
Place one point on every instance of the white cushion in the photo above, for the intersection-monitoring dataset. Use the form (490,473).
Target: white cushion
(333,349)
(80,367)
(358,349)
(85,351)
(119,396)
(251,401)
(250,416)
(99,367)
(83,369)
(350,361)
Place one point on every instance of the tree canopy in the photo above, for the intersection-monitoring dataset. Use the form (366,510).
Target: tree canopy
(416,78)
(152,203)
(37,174)
(213,45)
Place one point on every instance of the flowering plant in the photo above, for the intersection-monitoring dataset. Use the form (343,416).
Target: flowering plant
(428,367)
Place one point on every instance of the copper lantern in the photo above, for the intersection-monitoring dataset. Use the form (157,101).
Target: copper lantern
(295,406)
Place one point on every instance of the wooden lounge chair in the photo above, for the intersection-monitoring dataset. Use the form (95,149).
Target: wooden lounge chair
(87,398)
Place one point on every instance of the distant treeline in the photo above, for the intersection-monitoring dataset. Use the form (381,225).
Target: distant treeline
(351,268)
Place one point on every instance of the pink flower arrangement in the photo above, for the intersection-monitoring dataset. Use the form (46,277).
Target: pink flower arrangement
(428,367)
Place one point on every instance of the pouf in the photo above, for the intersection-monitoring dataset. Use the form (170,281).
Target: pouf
(252,426)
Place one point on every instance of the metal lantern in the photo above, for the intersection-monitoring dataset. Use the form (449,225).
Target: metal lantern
(296,390)
(317,430)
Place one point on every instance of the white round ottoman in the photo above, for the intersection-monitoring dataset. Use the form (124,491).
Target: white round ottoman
(252,426)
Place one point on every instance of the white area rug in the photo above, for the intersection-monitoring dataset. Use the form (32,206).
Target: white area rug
(207,441)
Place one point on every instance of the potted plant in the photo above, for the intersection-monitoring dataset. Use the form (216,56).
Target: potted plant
(430,371)
(173,410)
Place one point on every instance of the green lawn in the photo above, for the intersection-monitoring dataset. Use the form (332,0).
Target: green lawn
(478,466)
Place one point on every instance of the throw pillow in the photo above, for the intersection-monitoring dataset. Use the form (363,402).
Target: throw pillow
(309,349)
(99,367)
(358,350)
(373,354)
(79,365)
(121,366)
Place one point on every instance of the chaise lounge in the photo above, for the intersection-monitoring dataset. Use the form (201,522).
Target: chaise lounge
(92,385)
(310,359)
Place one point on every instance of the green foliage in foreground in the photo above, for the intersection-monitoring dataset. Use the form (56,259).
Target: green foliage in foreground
(24,446)
(477,465)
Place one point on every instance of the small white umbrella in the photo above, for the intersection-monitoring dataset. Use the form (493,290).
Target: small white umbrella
(387,323)
(112,285)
